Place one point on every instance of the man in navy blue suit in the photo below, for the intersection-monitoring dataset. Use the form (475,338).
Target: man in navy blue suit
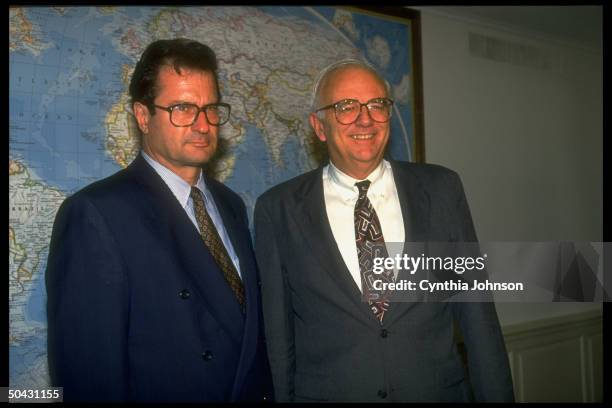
(151,278)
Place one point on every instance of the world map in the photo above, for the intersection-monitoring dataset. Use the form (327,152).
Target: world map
(70,120)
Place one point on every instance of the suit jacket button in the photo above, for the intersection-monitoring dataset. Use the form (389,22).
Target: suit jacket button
(207,355)
(384,333)
(382,394)
(184,294)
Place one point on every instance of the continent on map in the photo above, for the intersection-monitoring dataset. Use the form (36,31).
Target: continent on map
(32,209)
(122,132)
(23,35)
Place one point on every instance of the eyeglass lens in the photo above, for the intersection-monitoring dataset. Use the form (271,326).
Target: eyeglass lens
(186,114)
(379,110)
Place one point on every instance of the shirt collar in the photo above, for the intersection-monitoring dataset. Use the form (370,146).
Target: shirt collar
(345,184)
(179,187)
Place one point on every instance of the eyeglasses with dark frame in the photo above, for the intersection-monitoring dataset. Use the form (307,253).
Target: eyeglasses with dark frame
(347,111)
(186,114)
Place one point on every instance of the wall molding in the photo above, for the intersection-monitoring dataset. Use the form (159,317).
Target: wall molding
(557,359)
(507,28)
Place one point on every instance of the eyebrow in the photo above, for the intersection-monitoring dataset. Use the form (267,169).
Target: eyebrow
(179,102)
(357,100)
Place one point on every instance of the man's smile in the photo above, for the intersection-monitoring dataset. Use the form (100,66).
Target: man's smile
(362,136)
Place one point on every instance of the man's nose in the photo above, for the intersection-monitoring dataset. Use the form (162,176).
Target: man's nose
(201,123)
(364,118)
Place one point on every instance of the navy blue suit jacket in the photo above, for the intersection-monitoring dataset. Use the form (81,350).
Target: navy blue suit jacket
(137,308)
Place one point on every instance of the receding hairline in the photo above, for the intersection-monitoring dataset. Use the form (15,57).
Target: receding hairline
(182,69)
(336,68)
(171,66)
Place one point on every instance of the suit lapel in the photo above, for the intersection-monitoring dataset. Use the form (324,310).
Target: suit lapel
(318,236)
(415,205)
(414,202)
(240,239)
(169,222)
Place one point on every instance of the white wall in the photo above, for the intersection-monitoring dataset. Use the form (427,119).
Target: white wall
(526,141)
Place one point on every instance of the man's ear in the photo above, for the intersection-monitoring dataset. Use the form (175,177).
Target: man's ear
(141,112)
(317,126)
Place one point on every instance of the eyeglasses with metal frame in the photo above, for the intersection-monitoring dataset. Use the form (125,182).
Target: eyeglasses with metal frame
(347,111)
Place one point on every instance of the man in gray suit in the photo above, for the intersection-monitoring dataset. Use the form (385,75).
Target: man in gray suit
(312,233)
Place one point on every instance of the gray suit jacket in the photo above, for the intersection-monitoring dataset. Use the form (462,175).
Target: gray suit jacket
(323,341)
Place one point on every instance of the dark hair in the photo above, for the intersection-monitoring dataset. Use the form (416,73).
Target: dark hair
(178,53)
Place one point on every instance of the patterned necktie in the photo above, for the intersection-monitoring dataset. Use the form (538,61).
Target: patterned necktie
(371,244)
(211,238)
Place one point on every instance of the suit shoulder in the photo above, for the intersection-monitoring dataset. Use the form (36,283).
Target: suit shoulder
(289,187)
(426,173)
(433,178)
(114,185)
(426,170)
(103,197)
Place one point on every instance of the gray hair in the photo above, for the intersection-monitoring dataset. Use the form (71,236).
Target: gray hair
(323,75)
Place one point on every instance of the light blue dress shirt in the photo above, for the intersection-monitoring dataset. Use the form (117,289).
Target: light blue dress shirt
(182,190)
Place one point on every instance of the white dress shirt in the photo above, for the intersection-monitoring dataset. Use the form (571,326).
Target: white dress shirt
(182,190)
(340,198)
